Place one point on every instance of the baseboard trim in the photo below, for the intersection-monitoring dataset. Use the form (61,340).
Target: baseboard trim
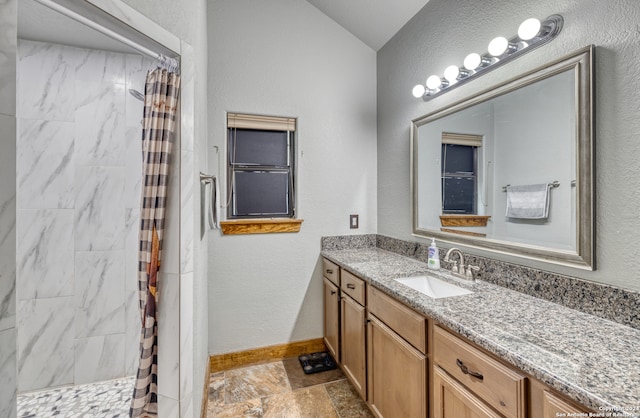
(221,362)
(205,392)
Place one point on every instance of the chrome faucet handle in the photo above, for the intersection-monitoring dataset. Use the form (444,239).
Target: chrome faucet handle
(458,269)
(470,270)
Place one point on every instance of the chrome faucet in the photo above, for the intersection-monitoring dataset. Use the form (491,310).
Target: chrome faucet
(460,270)
(454,268)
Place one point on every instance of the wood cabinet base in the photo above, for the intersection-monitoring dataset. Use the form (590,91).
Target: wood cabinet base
(352,341)
(396,374)
(452,400)
(332,318)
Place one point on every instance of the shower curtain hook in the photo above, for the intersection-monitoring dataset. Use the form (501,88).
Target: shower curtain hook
(168,63)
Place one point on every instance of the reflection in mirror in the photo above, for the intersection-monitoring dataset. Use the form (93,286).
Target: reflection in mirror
(510,169)
(459,164)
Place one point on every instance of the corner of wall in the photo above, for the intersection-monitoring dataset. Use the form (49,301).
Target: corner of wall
(8,330)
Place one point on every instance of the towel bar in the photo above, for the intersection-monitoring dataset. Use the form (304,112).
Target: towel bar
(552,184)
(209,212)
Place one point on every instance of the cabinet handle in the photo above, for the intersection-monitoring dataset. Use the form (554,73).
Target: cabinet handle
(329,271)
(466,370)
(351,286)
(333,292)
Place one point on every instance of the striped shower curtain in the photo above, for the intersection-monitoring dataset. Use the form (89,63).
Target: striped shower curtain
(162,89)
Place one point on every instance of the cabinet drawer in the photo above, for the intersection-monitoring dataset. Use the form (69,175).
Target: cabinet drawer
(352,286)
(331,271)
(498,385)
(405,322)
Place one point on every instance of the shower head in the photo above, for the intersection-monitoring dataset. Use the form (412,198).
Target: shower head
(137,94)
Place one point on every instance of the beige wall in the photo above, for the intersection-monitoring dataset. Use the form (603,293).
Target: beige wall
(444,32)
(286,58)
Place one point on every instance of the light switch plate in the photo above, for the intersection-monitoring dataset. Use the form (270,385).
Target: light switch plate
(353,221)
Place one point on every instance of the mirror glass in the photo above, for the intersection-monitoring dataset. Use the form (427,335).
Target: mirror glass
(510,169)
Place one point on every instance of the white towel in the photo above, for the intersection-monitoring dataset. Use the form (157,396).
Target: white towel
(528,202)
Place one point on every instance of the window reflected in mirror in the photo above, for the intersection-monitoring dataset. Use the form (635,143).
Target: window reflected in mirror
(459,162)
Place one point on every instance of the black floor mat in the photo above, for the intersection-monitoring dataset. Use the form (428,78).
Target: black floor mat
(317,362)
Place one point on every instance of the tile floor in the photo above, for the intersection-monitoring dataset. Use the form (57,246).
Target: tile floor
(109,399)
(278,389)
(281,389)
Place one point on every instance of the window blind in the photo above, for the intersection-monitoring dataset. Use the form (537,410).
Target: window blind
(470,140)
(270,123)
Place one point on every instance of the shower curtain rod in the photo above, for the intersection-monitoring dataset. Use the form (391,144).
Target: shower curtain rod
(105,31)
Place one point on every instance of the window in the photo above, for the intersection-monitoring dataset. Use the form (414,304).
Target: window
(261,166)
(460,173)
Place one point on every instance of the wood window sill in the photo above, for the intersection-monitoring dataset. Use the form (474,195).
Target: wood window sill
(464,220)
(260,226)
(462,232)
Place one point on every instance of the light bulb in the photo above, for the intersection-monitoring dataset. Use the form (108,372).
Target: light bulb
(498,46)
(418,90)
(529,29)
(451,73)
(472,61)
(433,82)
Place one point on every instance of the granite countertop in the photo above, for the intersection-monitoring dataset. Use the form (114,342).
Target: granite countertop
(592,360)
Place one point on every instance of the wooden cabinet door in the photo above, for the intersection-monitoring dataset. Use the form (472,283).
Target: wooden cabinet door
(544,403)
(353,340)
(396,374)
(332,318)
(553,406)
(452,400)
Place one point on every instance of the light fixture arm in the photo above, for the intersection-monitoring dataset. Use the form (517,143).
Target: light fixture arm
(517,47)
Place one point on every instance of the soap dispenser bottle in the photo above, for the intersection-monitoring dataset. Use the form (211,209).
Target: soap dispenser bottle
(433,261)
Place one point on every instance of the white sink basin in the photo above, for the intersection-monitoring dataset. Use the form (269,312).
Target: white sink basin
(433,287)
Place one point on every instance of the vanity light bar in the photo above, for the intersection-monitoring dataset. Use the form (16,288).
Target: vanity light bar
(531,34)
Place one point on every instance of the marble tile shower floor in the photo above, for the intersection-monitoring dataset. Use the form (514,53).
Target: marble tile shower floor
(281,389)
(109,399)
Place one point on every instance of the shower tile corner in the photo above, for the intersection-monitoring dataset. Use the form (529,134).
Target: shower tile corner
(99,358)
(8,376)
(168,342)
(45,343)
(8,50)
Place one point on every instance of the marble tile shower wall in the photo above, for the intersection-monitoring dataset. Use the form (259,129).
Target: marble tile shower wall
(612,303)
(8,331)
(78,198)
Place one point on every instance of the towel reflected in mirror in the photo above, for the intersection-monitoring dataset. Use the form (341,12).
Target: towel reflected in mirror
(528,201)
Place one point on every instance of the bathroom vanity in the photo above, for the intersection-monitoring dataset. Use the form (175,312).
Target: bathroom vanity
(490,353)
